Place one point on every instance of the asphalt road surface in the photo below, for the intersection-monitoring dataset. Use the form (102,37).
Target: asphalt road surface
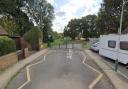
(122,69)
(61,69)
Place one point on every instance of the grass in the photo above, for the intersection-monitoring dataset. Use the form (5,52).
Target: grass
(2,70)
(57,42)
(87,46)
(60,41)
(45,45)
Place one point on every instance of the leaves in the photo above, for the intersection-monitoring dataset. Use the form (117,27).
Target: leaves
(110,14)
(86,27)
(23,13)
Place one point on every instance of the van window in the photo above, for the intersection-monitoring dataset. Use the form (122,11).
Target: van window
(124,45)
(111,44)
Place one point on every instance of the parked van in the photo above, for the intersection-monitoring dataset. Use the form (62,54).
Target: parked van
(108,47)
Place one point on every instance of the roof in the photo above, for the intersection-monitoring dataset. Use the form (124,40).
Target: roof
(3,31)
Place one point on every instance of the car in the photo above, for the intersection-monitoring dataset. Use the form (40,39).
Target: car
(95,46)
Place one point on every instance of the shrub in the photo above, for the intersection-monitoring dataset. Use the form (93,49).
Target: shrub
(33,37)
(7,45)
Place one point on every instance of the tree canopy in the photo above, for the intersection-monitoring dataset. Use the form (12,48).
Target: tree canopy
(106,21)
(25,14)
(86,27)
(109,16)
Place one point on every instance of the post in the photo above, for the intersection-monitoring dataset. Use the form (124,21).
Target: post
(72,45)
(119,34)
(66,44)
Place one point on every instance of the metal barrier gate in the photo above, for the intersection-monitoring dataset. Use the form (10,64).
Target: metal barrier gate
(72,45)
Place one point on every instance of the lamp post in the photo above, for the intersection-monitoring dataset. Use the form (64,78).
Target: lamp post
(119,34)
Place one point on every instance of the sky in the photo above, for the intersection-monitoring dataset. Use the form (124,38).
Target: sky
(65,10)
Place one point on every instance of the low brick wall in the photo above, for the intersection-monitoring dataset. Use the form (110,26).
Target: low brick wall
(8,60)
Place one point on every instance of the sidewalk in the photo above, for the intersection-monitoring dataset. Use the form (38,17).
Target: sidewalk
(112,75)
(9,73)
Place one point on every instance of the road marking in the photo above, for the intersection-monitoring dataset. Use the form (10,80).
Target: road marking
(69,54)
(118,71)
(91,86)
(122,74)
(28,71)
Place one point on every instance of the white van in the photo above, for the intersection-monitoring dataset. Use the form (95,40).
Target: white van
(108,47)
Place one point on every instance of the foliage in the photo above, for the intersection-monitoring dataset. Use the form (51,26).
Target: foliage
(9,25)
(12,10)
(107,21)
(84,27)
(89,26)
(7,45)
(109,16)
(22,14)
(57,35)
(33,36)
(72,29)
(39,10)
(87,45)
(57,42)
(42,13)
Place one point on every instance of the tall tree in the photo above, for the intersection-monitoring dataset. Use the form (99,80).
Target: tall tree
(109,16)
(26,12)
(85,26)
(12,10)
(42,13)
(89,26)
(72,29)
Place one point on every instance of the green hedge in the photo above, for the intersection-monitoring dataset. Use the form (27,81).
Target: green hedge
(7,45)
(33,36)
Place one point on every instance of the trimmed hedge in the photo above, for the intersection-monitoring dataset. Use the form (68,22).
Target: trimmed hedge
(7,45)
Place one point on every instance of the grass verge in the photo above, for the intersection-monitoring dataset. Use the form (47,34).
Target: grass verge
(87,45)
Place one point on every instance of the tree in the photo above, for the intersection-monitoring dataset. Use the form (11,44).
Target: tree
(12,10)
(85,26)
(109,16)
(42,13)
(88,25)
(9,25)
(72,29)
(26,12)
(33,36)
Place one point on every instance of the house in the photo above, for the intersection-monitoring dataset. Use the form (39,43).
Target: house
(3,32)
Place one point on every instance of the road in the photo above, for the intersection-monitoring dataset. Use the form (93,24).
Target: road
(122,69)
(61,69)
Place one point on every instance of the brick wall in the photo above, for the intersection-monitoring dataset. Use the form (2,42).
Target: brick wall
(8,60)
(26,52)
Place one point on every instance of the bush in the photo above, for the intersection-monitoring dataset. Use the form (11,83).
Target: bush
(7,45)
(33,37)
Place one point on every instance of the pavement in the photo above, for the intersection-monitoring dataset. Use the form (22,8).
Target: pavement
(10,72)
(62,69)
(117,82)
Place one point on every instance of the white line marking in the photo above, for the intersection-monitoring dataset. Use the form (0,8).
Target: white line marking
(118,71)
(122,74)
(69,54)
(100,74)
(28,71)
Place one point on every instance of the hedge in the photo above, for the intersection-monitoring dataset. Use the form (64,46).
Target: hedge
(33,36)
(7,45)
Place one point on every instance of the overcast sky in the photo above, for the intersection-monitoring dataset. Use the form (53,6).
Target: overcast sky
(65,10)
